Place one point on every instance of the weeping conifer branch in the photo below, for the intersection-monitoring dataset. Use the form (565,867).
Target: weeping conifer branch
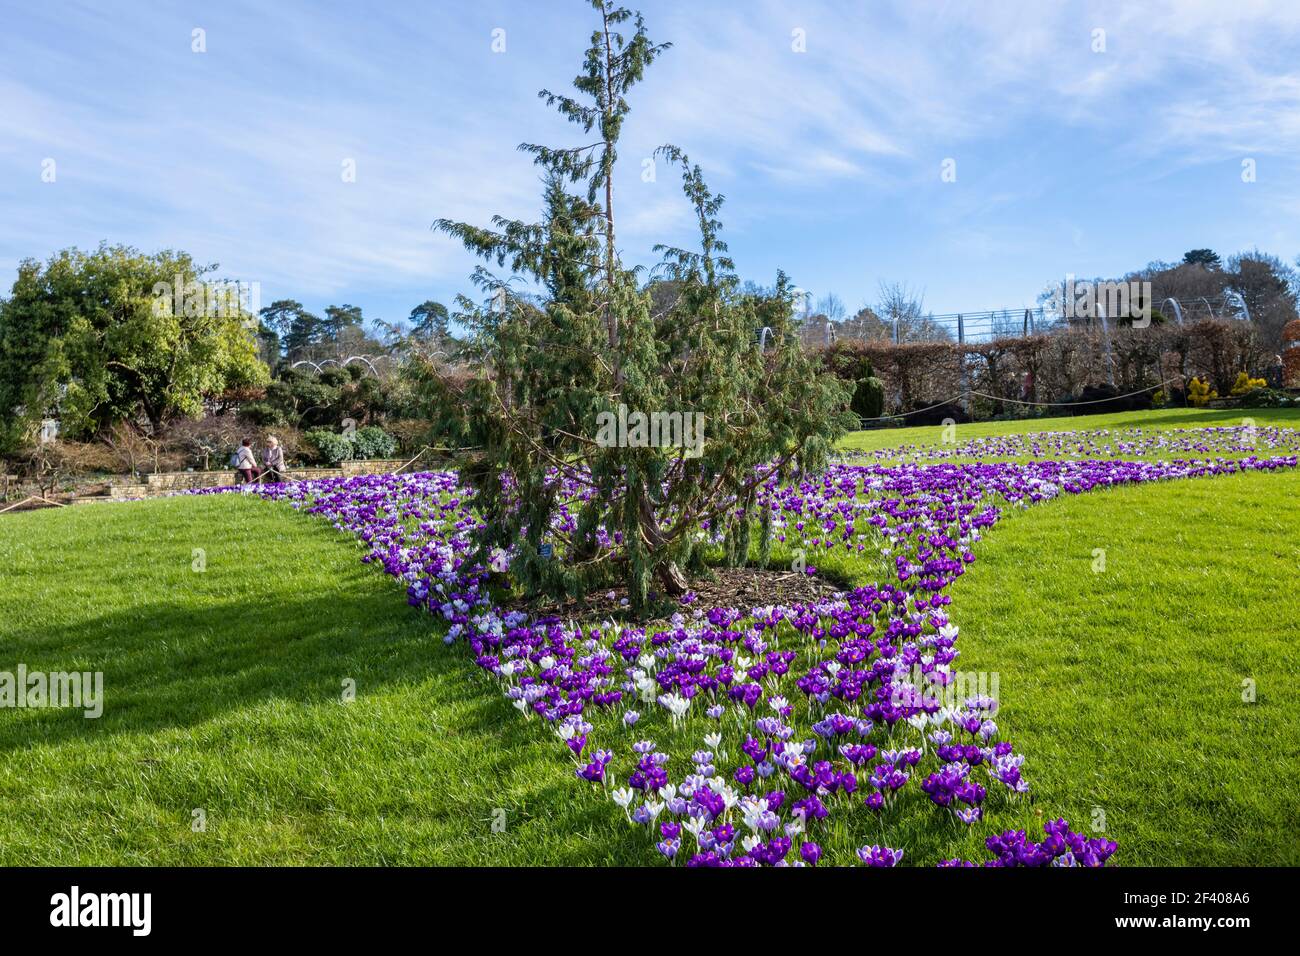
(568,337)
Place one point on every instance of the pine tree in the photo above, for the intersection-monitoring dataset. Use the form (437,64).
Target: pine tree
(298,329)
(429,322)
(566,340)
(339,320)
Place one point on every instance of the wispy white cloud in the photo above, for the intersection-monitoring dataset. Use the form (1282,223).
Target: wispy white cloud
(235,154)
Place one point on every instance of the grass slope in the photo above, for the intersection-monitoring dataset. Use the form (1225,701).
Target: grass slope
(224,687)
(1154,420)
(1125,687)
(224,693)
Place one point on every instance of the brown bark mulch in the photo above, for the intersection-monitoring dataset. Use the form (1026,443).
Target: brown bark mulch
(725,587)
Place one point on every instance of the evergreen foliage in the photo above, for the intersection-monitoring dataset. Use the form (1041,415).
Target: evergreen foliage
(568,334)
(868,395)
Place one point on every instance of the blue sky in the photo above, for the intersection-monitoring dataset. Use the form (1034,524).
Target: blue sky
(1067,160)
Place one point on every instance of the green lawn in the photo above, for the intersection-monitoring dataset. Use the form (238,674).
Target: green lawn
(1125,687)
(224,688)
(224,693)
(1155,420)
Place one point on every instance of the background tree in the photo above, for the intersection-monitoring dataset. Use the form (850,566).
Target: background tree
(551,363)
(831,306)
(824,323)
(866,326)
(97,338)
(304,398)
(278,317)
(268,346)
(1202,257)
(340,320)
(430,321)
(903,308)
(1268,286)
(298,329)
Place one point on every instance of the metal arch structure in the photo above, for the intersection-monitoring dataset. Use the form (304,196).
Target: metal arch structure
(1178,309)
(762,338)
(1178,316)
(366,359)
(1105,335)
(968,327)
(1233,303)
(1233,298)
(321,365)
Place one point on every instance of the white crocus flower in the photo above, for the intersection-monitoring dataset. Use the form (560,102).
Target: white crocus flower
(623,797)
(676,704)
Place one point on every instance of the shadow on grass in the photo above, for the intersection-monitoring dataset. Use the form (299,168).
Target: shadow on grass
(1207,418)
(170,666)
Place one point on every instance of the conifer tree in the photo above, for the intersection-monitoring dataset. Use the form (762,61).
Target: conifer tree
(566,338)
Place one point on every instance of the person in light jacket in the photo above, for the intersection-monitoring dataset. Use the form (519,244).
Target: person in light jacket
(274,459)
(246,462)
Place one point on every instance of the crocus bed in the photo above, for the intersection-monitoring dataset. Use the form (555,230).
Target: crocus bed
(741,736)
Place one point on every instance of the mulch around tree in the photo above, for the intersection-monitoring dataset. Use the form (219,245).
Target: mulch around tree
(725,587)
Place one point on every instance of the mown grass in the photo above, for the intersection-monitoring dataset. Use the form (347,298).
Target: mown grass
(224,688)
(223,693)
(1154,420)
(1125,685)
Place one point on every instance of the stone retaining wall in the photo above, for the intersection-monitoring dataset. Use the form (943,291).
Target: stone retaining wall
(185,480)
(372,466)
(167,482)
(148,486)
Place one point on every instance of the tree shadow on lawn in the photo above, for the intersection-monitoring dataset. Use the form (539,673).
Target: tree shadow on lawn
(189,666)
(250,670)
(168,666)
(1199,418)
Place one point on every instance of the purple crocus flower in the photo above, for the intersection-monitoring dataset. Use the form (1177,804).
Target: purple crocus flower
(880,856)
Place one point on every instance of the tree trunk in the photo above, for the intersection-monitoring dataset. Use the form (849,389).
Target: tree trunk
(672,579)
